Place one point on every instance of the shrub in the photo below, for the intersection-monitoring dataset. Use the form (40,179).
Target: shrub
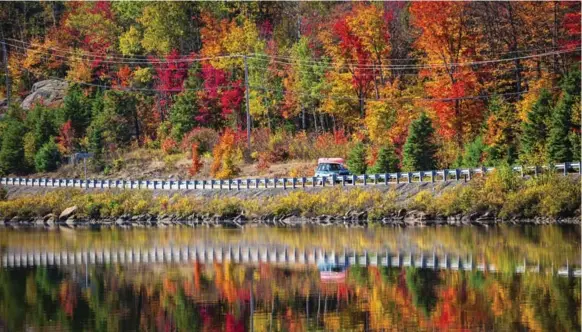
(48,157)
(279,146)
(3,194)
(357,159)
(196,162)
(424,201)
(206,139)
(169,146)
(264,160)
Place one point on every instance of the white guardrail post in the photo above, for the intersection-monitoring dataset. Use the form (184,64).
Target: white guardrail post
(388,178)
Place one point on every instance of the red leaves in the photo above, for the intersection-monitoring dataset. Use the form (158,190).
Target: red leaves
(220,97)
(66,137)
(170,72)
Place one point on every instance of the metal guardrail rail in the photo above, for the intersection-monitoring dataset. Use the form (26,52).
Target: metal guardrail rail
(265,254)
(288,183)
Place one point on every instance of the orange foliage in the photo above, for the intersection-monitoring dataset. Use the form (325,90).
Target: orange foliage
(169,146)
(196,162)
(223,164)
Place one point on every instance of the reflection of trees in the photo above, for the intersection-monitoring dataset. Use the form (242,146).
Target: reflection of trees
(421,284)
(217,298)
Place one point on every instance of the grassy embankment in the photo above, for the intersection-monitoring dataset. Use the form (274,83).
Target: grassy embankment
(502,194)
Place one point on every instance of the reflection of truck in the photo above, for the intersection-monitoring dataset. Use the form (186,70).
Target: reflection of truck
(329,167)
(332,272)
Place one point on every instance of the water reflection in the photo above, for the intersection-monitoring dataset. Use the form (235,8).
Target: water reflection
(224,294)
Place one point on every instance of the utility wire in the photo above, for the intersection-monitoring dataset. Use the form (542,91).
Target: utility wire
(424,66)
(146,59)
(121,88)
(353,98)
(288,60)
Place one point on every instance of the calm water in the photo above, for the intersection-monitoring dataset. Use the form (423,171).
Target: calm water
(502,278)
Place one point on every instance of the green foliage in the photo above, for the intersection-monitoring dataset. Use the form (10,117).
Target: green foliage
(563,139)
(357,159)
(12,148)
(185,107)
(502,129)
(118,120)
(422,285)
(48,157)
(419,151)
(41,123)
(77,108)
(387,161)
(474,153)
(96,144)
(536,129)
(559,145)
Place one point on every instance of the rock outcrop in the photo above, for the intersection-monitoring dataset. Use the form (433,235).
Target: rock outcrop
(48,92)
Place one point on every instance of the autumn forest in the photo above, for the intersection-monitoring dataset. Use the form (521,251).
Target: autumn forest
(388,85)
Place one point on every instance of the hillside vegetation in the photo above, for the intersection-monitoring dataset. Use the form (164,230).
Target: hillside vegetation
(161,88)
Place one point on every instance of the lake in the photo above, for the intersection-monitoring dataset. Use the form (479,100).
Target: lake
(501,278)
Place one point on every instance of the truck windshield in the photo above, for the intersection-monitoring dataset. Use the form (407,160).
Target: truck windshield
(329,167)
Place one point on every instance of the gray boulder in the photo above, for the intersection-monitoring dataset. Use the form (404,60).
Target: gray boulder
(49,92)
(68,212)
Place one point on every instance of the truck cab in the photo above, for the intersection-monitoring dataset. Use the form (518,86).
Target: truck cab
(329,167)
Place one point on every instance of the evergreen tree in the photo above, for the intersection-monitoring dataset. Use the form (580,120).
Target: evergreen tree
(41,123)
(563,140)
(502,128)
(474,151)
(95,138)
(185,107)
(77,108)
(419,151)
(559,146)
(536,129)
(12,148)
(357,159)
(387,161)
(48,157)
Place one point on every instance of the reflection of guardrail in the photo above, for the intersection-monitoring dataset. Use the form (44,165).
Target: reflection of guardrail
(253,254)
(286,183)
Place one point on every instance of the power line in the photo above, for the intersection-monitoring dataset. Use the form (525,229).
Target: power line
(144,58)
(105,59)
(397,98)
(121,88)
(424,66)
(290,60)
(73,58)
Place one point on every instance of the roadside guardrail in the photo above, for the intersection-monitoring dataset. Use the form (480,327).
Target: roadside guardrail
(464,174)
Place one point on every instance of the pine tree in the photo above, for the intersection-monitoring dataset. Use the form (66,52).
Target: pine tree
(564,136)
(77,108)
(559,146)
(536,129)
(96,143)
(387,161)
(357,159)
(474,151)
(185,107)
(502,128)
(48,157)
(419,151)
(12,149)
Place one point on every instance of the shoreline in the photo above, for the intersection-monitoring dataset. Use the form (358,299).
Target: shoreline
(357,220)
